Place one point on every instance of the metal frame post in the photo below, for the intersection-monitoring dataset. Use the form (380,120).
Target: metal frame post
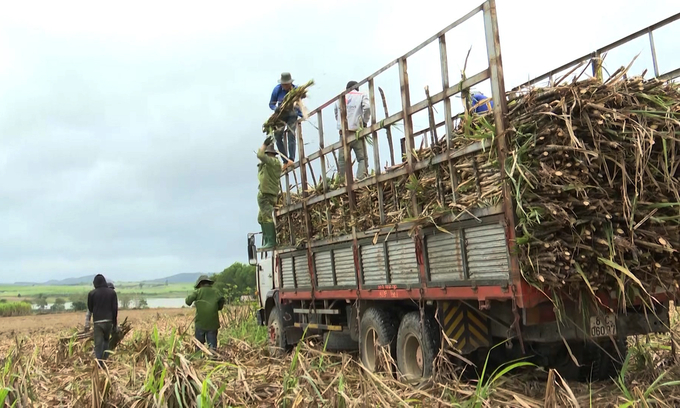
(305,210)
(376,150)
(408,124)
(653,49)
(500,110)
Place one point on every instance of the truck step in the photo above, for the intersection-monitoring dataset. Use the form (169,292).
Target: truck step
(330,327)
(317,311)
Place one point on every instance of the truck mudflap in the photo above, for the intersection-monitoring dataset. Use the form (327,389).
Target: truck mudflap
(466,327)
(260,317)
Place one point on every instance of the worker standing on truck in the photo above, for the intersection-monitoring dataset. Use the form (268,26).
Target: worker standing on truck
(268,174)
(480,102)
(102,302)
(358,114)
(289,117)
(209,302)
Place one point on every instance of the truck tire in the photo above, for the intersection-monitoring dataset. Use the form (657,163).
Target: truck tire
(417,346)
(378,328)
(602,361)
(276,340)
(339,341)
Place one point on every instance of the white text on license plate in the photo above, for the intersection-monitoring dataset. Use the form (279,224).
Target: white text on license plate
(602,326)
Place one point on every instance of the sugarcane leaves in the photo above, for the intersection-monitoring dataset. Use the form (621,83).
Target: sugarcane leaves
(413,185)
(613,266)
(479,128)
(579,270)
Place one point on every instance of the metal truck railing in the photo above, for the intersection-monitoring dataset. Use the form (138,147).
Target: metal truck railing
(494,73)
(594,59)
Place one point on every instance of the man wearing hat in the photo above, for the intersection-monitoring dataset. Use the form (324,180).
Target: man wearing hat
(208,302)
(290,117)
(268,174)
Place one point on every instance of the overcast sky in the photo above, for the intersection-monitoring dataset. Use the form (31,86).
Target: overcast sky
(128,131)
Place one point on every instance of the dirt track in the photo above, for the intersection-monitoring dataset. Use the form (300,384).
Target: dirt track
(63,321)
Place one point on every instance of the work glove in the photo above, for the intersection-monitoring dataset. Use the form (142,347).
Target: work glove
(268,140)
(87,327)
(277,110)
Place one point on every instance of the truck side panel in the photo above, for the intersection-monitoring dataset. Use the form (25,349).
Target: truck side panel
(482,260)
(487,252)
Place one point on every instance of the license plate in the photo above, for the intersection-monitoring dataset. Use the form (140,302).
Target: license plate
(603,326)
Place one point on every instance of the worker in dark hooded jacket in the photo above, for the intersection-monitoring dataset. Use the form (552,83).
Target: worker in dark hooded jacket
(102,302)
(88,315)
(209,301)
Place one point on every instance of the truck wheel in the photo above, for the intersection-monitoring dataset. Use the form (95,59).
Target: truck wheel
(417,346)
(603,361)
(276,341)
(378,328)
(339,341)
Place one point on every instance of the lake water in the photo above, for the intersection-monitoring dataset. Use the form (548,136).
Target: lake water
(154,303)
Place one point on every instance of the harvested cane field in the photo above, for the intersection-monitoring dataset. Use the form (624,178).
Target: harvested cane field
(593,170)
(156,365)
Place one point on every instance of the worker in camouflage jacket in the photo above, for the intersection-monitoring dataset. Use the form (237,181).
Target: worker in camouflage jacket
(209,301)
(268,174)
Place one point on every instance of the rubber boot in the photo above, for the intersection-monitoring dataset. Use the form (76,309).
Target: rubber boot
(268,235)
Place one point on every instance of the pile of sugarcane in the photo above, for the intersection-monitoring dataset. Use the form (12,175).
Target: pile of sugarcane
(116,337)
(477,184)
(594,172)
(291,101)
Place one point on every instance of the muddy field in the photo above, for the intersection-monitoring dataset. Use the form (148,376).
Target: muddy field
(72,320)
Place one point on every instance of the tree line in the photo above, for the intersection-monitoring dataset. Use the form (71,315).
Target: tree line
(237,280)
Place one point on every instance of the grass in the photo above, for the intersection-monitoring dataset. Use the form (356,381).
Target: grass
(8,309)
(51,292)
(160,365)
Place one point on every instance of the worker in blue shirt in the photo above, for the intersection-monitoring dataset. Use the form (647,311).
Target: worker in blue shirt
(486,103)
(290,118)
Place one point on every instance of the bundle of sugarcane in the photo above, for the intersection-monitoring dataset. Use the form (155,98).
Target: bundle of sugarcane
(116,336)
(292,100)
(594,170)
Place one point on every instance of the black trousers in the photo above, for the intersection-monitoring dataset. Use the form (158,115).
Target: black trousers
(102,335)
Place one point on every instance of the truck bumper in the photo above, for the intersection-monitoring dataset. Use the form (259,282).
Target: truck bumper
(629,324)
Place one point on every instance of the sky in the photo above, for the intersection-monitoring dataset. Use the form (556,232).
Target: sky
(128,130)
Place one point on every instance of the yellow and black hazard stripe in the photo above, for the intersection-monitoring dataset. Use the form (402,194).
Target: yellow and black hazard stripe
(467,327)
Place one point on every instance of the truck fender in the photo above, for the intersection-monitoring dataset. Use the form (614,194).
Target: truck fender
(271,301)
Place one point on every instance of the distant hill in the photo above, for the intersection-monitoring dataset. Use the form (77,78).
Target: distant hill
(86,280)
(179,278)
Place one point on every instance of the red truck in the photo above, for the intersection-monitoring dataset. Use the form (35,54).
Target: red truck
(411,287)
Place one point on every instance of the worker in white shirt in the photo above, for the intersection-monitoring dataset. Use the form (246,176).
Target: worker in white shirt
(358,114)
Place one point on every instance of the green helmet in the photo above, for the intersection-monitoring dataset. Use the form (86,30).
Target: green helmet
(201,279)
(270,149)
